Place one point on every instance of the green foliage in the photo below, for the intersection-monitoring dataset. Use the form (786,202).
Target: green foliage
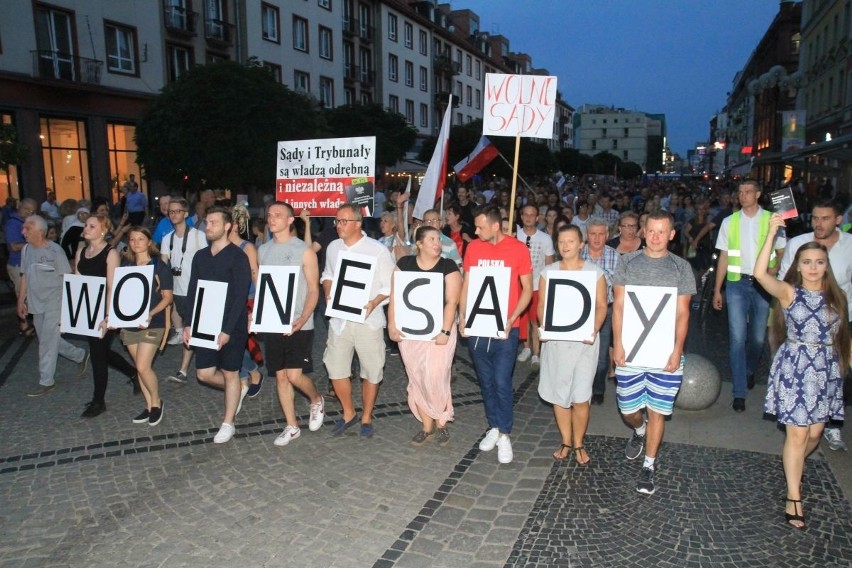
(220,125)
(12,151)
(394,136)
(605,163)
(630,170)
(572,161)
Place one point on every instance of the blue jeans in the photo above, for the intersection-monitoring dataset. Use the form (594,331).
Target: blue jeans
(748,312)
(494,361)
(602,371)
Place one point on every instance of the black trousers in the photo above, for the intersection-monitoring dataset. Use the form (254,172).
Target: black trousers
(101,356)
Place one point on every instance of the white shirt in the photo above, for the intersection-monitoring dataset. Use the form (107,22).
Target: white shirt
(381,277)
(540,246)
(181,260)
(840,257)
(749,230)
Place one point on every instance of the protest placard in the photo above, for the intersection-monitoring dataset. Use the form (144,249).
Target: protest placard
(130,297)
(275,299)
(320,175)
(350,289)
(648,326)
(519,105)
(418,304)
(83,305)
(569,305)
(487,302)
(208,313)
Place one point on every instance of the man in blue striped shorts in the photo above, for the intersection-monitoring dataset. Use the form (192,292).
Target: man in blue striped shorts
(640,387)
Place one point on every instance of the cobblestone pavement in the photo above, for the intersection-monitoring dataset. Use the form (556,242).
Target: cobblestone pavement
(106,492)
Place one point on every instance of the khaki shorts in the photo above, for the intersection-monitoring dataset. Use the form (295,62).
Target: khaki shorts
(135,337)
(358,338)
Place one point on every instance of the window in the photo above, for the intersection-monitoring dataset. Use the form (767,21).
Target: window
(594,144)
(469,95)
(270,23)
(424,115)
(349,96)
(215,26)
(393,67)
(366,60)
(65,156)
(325,45)
(55,44)
(392,23)
(273,69)
(300,34)
(603,133)
(215,58)
(393,103)
(424,43)
(301,81)
(409,111)
(324,4)
(478,67)
(179,60)
(364,19)
(468,65)
(408,35)
(478,99)
(458,91)
(9,185)
(459,118)
(626,132)
(409,74)
(624,154)
(424,79)
(120,48)
(122,155)
(459,58)
(326,91)
(615,143)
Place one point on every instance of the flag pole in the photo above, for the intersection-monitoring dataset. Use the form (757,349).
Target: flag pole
(514,185)
(520,177)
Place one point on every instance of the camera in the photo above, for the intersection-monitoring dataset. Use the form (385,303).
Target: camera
(176,271)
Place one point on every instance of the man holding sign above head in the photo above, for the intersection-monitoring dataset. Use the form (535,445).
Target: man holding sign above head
(214,323)
(650,316)
(497,289)
(288,355)
(356,281)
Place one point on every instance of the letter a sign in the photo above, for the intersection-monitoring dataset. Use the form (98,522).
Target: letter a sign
(488,301)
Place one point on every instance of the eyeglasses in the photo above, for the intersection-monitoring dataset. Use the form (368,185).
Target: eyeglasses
(177,211)
(343,222)
(432,222)
(629,226)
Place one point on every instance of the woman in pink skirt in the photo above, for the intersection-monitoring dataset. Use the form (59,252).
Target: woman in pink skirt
(428,363)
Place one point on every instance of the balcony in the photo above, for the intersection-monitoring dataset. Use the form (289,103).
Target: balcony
(445,66)
(442,96)
(351,74)
(366,32)
(180,21)
(351,27)
(66,67)
(368,78)
(217,31)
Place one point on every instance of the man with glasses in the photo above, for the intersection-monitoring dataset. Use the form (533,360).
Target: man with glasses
(178,249)
(366,339)
(540,247)
(165,225)
(740,239)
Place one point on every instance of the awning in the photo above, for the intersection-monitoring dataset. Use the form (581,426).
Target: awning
(741,169)
(838,149)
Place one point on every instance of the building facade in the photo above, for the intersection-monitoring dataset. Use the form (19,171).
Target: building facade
(623,133)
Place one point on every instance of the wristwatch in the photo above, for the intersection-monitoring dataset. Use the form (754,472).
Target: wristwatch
(445,332)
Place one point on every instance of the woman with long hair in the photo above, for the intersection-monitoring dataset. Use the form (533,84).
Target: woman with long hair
(143,343)
(428,363)
(568,367)
(805,387)
(98,258)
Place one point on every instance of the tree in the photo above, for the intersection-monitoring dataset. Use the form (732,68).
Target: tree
(605,163)
(572,161)
(630,170)
(219,125)
(394,136)
(12,151)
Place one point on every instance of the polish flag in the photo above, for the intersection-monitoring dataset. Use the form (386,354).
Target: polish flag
(481,156)
(432,187)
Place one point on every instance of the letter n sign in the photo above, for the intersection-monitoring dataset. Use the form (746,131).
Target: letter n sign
(275,299)
(648,328)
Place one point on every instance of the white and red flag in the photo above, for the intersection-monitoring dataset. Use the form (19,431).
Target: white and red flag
(432,187)
(480,157)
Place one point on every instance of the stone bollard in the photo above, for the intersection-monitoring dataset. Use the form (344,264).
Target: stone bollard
(701,384)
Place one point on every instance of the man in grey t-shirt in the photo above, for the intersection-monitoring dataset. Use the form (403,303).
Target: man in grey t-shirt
(43,265)
(641,388)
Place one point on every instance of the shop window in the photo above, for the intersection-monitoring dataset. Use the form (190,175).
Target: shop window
(122,156)
(66,157)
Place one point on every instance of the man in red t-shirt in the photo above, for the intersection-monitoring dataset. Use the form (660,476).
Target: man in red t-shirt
(494,359)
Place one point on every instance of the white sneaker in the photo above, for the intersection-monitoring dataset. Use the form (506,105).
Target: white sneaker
(243,392)
(176,338)
(489,441)
(289,433)
(504,449)
(534,361)
(226,432)
(317,415)
(832,436)
(524,355)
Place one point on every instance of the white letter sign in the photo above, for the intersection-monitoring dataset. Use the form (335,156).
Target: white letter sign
(648,330)
(418,304)
(350,289)
(83,305)
(130,297)
(519,105)
(208,313)
(487,305)
(275,299)
(569,305)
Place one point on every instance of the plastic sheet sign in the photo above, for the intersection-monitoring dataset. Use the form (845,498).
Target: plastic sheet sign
(83,304)
(519,105)
(350,288)
(648,326)
(418,304)
(320,175)
(275,300)
(487,302)
(208,312)
(569,305)
(130,297)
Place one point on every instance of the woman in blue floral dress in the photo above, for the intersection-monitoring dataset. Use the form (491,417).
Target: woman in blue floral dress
(806,379)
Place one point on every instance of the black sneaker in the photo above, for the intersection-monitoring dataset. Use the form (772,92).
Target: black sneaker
(156,414)
(750,381)
(645,485)
(634,446)
(142,418)
(94,409)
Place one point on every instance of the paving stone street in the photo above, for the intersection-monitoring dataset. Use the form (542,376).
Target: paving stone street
(106,492)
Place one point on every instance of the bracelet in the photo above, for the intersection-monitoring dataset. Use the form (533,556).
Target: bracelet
(445,332)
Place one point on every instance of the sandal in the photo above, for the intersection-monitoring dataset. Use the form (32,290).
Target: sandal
(557,455)
(793,518)
(577,451)
(27,330)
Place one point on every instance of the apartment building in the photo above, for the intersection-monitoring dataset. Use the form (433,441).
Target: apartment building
(624,133)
